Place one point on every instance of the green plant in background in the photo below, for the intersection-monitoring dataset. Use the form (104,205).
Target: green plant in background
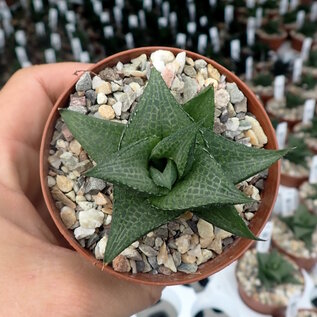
(272,27)
(312,59)
(270,4)
(290,17)
(263,79)
(165,161)
(311,130)
(273,269)
(303,224)
(314,195)
(293,101)
(300,151)
(308,29)
(308,81)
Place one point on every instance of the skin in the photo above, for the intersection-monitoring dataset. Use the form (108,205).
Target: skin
(37,272)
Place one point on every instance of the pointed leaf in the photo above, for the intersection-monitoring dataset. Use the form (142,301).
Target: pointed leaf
(157,113)
(202,107)
(133,217)
(237,160)
(129,167)
(205,184)
(167,178)
(227,218)
(98,137)
(179,146)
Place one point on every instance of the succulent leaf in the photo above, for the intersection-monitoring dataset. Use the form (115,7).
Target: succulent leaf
(178,146)
(98,137)
(157,113)
(133,217)
(166,178)
(204,185)
(273,269)
(202,107)
(223,216)
(238,161)
(129,167)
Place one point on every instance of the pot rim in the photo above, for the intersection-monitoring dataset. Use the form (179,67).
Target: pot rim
(231,253)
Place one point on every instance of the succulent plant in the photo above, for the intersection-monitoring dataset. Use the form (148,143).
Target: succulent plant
(165,161)
(308,81)
(274,269)
(263,79)
(308,29)
(293,101)
(300,151)
(272,27)
(303,224)
(312,128)
(290,17)
(312,59)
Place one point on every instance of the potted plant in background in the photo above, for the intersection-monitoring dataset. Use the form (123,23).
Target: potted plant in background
(308,196)
(311,64)
(298,36)
(266,281)
(150,197)
(262,86)
(296,236)
(308,133)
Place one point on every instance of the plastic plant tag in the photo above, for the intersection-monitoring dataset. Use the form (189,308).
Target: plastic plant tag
(214,36)
(292,307)
(37,5)
(52,18)
(229,10)
(258,17)
(297,70)
(22,56)
(84,57)
(191,28)
(313,12)
(76,47)
(133,21)
(313,171)
(108,32)
(306,48)
(120,3)
(251,30)
(309,110)
(281,133)
(147,5)
(289,201)
(293,4)
(181,40)
(49,55)
(212,3)
(56,41)
(283,7)
(97,6)
(70,29)
(162,22)
(104,17)
(117,15)
(40,29)
(20,37)
(129,40)
(250,4)
(300,18)
(142,19)
(249,68)
(173,20)
(192,11)
(71,17)
(266,235)
(203,21)
(62,6)
(202,43)
(166,9)
(235,49)
(279,87)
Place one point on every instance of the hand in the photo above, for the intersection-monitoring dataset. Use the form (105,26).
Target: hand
(37,275)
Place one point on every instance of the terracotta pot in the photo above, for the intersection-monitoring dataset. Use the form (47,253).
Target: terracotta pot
(237,248)
(291,181)
(305,263)
(290,123)
(273,41)
(296,40)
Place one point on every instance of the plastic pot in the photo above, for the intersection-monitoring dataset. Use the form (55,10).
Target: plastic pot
(230,254)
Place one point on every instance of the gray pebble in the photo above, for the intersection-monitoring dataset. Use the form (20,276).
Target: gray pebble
(79,109)
(188,268)
(224,116)
(94,185)
(91,95)
(84,82)
(109,74)
(200,63)
(153,262)
(147,250)
(190,71)
(241,106)
(190,88)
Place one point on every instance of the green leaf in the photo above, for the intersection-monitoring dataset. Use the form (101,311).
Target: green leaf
(129,167)
(178,146)
(202,107)
(167,178)
(227,218)
(133,217)
(204,185)
(238,161)
(99,138)
(157,113)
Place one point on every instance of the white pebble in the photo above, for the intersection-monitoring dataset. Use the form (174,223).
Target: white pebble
(100,248)
(101,98)
(82,233)
(90,219)
(117,107)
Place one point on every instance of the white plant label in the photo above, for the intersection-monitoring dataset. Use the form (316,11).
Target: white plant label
(306,48)
(235,49)
(258,17)
(120,3)
(37,5)
(292,307)
(214,36)
(142,19)
(191,27)
(71,17)
(212,3)
(21,55)
(40,29)
(133,21)
(281,133)
(108,32)
(162,22)
(70,29)
(173,20)
(56,42)
(104,17)
(300,18)
(166,9)
(283,7)
(202,43)
(293,4)
(313,12)
(181,40)
(129,40)
(289,201)
(192,11)
(249,68)
(266,235)
(97,6)
(49,55)
(250,36)
(117,15)
(20,37)
(53,18)
(313,171)
(250,4)
(62,6)
(203,21)
(84,57)
(76,47)
(229,10)
(279,87)
(8,28)
(147,5)
(2,39)
(309,110)
(297,70)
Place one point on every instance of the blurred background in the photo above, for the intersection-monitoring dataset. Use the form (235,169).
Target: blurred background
(271,45)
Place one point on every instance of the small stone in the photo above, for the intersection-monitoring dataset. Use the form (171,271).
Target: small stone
(84,82)
(244,125)
(106,112)
(96,82)
(139,61)
(152,261)
(177,85)
(117,107)
(91,219)
(75,147)
(183,243)
(76,101)
(68,216)
(101,98)
(109,74)
(121,264)
(115,87)
(82,233)
(79,109)
(235,94)
(232,124)
(54,161)
(190,71)
(100,248)
(252,137)
(211,81)
(100,199)
(66,133)
(216,245)
(59,196)
(94,185)
(71,195)
(222,234)
(160,58)
(168,75)
(249,215)
(222,98)
(224,116)
(164,270)
(64,184)
(177,257)
(188,268)
(205,242)
(104,88)
(200,63)
(204,257)
(147,250)
(170,264)
(231,111)
(132,253)
(51,181)
(162,256)
(258,131)
(219,127)
(213,72)
(205,229)
(85,205)
(190,88)
(241,106)
(180,59)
